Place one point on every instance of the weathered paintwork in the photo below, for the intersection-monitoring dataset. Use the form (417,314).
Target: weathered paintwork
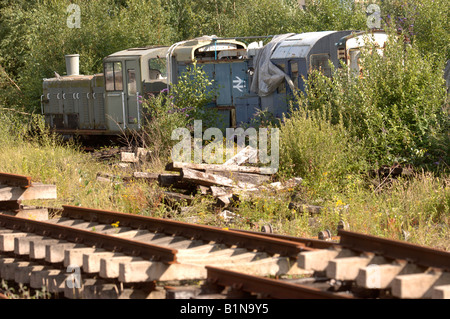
(224,62)
(87,104)
(108,103)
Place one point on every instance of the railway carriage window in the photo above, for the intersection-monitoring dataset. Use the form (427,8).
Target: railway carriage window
(282,87)
(157,68)
(354,60)
(320,62)
(113,76)
(294,73)
(109,76)
(118,83)
(131,89)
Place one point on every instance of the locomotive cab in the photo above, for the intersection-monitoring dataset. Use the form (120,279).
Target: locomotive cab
(349,47)
(130,74)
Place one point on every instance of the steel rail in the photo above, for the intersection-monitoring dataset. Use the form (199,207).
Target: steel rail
(10,205)
(272,288)
(308,242)
(207,233)
(90,238)
(15,180)
(420,255)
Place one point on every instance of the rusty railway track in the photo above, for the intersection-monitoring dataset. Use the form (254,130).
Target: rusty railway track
(358,266)
(346,263)
(267,287)
(15,180)
(308,242)
(394,249)
(141,250)
(207,233)
(383,267)
(130,256)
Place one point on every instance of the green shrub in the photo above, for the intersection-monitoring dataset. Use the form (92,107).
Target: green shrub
(186,102)
(320,152)
(395,108)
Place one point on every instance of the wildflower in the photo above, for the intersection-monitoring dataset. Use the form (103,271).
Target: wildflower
(164,90)
(116,224)
(339,203)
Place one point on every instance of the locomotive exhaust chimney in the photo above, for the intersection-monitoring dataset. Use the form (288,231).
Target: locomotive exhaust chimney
(73,64)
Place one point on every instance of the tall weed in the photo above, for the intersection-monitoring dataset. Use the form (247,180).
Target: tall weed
(320,152)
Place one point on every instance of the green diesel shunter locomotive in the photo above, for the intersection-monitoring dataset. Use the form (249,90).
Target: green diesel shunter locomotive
(105,103)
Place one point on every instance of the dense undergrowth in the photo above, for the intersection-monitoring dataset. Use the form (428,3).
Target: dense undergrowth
(320,141)
(394,112)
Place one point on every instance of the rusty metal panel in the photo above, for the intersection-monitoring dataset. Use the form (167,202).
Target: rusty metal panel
(228,237)
(72,121)
(58,121)
(268,287)
(15,180)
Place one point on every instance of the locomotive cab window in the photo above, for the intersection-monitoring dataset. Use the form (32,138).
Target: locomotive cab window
(113,76)
(320,62)
(294,73)
(355,55)
(131,89)
(157,68)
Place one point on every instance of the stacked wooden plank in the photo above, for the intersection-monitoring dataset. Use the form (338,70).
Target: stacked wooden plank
(234,179)
(222,181)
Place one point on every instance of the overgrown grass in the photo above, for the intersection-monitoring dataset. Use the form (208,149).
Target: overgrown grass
(19,291)
(47,159)
(418,207)
(330,163)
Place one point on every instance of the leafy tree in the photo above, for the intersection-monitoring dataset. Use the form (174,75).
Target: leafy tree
(37,37)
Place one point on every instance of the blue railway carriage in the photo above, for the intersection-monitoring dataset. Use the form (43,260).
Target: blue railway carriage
(225,61)
(246,78)
(294,56)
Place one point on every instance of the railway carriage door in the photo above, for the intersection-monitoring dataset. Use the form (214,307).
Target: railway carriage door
(115,101)
(132,88)
(240,88)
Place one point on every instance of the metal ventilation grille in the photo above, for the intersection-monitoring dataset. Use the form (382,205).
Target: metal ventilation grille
(341,54)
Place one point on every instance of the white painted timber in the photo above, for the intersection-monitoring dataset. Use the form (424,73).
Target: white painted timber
(441,292)
(7,240)
(317,260)
(144,271)
(109,267)
(23,273)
